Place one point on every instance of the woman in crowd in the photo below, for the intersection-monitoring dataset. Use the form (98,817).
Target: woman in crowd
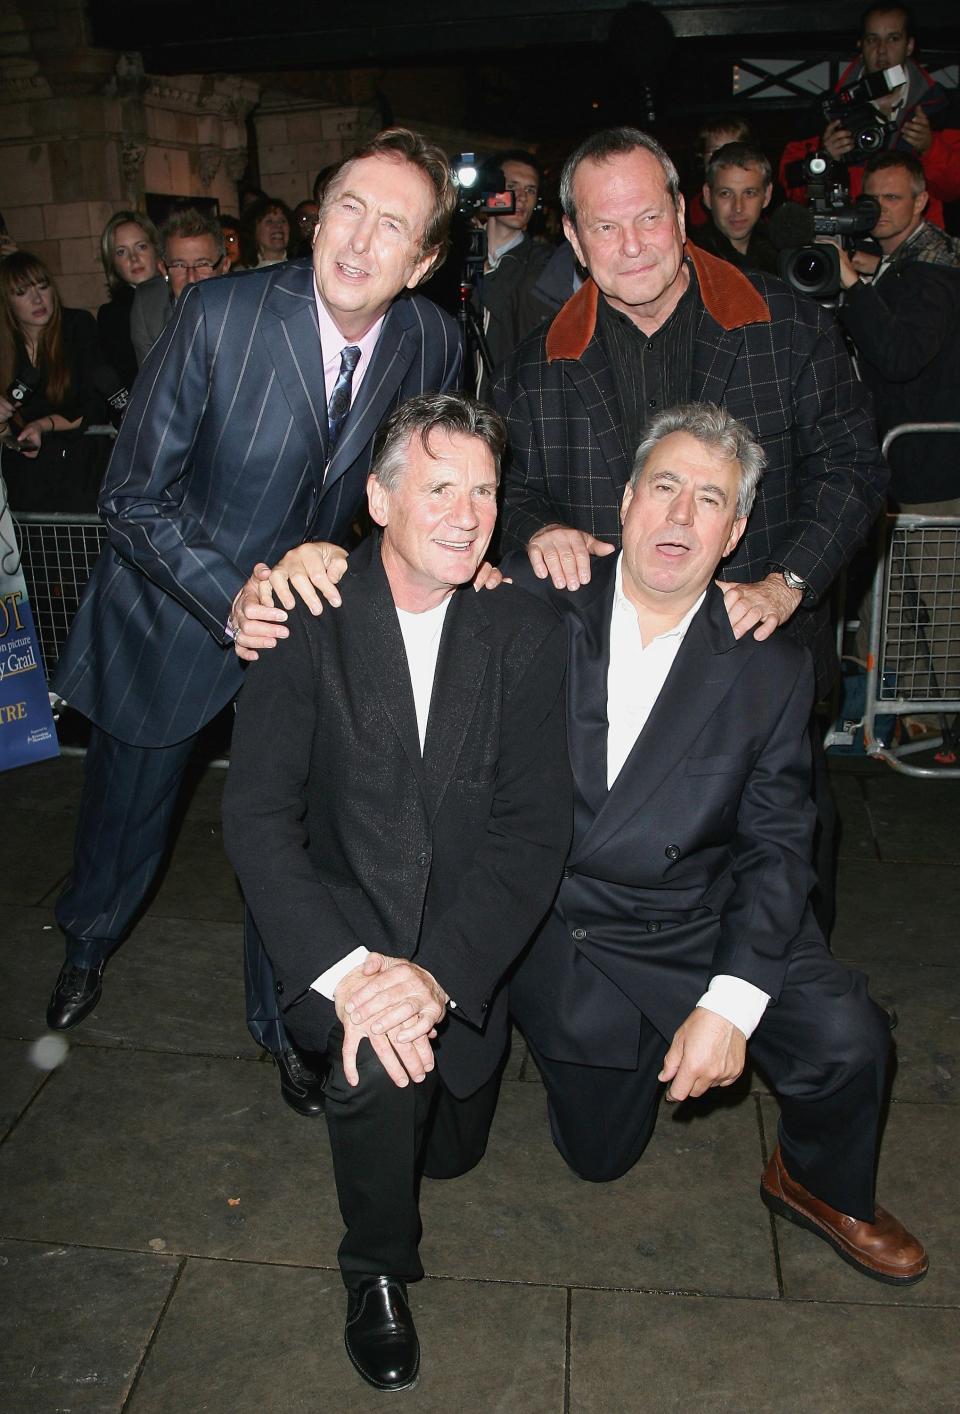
(266,227)
(50,353)
(129,249)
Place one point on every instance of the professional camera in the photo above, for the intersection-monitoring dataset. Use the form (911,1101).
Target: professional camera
(813,269)
(481,193)
(852,106)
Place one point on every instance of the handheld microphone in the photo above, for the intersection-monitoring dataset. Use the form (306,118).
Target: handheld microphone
(791,225)
(108,384)
(21,388)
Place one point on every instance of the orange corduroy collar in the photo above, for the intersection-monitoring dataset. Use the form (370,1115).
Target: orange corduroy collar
(728,297)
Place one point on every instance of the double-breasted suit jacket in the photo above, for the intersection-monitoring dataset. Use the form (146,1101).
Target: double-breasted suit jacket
(697,861)
(344,834)
(777,363)
(222,461)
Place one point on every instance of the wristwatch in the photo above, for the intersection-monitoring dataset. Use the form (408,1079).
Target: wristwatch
(793,581)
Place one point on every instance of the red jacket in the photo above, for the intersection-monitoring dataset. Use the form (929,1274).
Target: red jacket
(941,161)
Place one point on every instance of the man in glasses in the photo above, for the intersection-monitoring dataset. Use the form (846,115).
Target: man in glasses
(193,249)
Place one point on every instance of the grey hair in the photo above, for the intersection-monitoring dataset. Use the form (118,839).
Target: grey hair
(453,413)
(187,222)
(738,154)
(614,142)
(714,428)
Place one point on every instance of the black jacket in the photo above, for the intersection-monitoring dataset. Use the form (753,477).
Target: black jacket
(774,360)
(343,834)
(65,475)
(697,861)
(906,328)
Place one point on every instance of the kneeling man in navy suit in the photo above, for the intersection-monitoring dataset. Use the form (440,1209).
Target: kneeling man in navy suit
(398,812)
(682,930)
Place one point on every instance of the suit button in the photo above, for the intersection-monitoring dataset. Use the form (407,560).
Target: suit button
(672,851)
(484,1006)
(423,860)
(279,987)
(567,873)
(579,934)
(653,926)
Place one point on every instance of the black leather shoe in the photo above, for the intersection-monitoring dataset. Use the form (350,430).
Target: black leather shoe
(75,995)
(302,1090)
(380,1336)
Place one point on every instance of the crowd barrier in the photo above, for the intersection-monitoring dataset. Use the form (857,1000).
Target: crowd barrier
(58,553)
(913,666)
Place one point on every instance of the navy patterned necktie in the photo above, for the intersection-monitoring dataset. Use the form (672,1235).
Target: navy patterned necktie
(339,404)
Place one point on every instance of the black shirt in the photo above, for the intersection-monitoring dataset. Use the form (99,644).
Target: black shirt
(651,372)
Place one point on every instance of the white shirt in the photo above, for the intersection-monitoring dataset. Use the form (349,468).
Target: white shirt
(421,640)
(635,679)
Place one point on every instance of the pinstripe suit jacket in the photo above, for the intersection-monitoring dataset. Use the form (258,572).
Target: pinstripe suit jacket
(222,461)
(775,361)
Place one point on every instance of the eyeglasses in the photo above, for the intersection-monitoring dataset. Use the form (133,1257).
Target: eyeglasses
(199,267)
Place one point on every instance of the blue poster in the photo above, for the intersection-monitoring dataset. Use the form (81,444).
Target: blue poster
(27,732)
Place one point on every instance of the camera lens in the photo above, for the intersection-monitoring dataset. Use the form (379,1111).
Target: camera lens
(870,139)
(811,270)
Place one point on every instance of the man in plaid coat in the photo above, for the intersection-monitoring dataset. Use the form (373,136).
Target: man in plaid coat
(659,323)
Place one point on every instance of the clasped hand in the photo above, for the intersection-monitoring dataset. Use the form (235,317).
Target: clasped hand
(397,1006)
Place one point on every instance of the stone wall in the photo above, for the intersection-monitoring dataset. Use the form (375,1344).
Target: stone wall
(297,137)
(84,132)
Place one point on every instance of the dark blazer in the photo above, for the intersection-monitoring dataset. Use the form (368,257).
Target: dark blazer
(343,834)
(697,862)
(774,360)
(221,461)
(150,311)
(907,330)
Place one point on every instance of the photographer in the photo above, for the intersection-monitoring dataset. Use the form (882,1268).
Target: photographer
(906,326)
(914,116)
(513,264)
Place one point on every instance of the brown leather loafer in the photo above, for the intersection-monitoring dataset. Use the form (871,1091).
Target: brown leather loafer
(882,1249)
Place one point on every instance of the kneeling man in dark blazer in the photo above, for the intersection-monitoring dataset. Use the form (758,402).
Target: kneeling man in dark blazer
(682,929)
(398,810)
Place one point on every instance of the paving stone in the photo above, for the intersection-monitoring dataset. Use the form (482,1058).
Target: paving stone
(20,1079)
(897,912)
(521,1215)
(856,832)
(633,1353)
(150,1149)
(75,1324)
(915,819)
(927,1036)
(37,855)
(175,985)
(49,786)
(917,1181)
(244,1339)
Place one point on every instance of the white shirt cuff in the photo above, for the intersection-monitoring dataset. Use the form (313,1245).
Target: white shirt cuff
(326,983)
(736,1001)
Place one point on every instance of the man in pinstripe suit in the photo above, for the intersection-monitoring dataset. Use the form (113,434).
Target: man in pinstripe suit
(250,430)
(661,322)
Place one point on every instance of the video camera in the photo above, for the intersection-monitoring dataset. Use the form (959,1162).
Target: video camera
(481,192)
(813,269)
(852,106)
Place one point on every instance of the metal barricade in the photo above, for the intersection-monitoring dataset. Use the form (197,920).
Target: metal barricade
(58,553)
(914,660)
